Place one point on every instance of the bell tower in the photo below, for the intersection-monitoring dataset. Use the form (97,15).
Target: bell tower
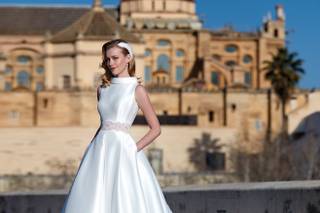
(151,14)
(275,28)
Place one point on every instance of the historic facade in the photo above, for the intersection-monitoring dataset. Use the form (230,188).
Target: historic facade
(59,47)
(204,81)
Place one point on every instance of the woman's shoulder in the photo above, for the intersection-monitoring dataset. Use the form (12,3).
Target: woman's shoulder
(140,90)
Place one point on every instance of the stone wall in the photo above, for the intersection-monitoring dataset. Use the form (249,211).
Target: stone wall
(272,197)
(74,108)
(45,150)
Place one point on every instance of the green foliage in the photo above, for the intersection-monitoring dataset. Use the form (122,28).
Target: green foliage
(284,72)
(200,149)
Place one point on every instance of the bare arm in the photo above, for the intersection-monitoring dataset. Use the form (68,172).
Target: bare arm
(144,104)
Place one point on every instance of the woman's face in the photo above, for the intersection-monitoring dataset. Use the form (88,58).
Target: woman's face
(117,62)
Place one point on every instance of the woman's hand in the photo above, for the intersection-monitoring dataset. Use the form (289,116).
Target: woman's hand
(144,104)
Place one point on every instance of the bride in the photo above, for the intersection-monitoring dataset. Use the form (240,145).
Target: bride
(114,175)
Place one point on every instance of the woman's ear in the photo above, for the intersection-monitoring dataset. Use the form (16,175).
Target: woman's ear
(129,58)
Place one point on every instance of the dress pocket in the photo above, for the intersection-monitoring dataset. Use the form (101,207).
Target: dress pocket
(133,146)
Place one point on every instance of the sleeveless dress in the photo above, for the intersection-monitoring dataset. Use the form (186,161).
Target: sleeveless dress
(113,177)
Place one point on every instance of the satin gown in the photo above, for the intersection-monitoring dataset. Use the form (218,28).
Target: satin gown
(113,177)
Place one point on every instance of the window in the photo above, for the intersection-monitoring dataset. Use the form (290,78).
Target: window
(45,103)
(247,78)
(155,157)
(258,124)
(7,86)
(211,116)
(247,59)
(8,70)
(14,115)
(276,33)
(163,43)
(231,63)
(179,73)
(215,78)
(147,73)
(231,48)
(180,53)
(189,109)
(39,86)
(216,57)
(215,161)
(40,70)
(23,78)
(163,62)
(23,59)
(266,27)
(66,82)
(147,53)
(233,107)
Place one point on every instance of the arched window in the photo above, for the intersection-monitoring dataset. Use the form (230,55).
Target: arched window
(23,78)
(23,59)
(40,70)
(247,59)
(163,43)
(231,48)
(215,79)
(163,62)
(180,53)
(147,53)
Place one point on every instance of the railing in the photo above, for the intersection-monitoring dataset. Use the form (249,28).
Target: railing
(187,120)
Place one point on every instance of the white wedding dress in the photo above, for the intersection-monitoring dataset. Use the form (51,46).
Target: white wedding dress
(113,177)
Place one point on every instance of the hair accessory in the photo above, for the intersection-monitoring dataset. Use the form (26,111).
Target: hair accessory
(126,46)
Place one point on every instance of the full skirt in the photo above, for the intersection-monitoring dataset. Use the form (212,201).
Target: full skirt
(114,178)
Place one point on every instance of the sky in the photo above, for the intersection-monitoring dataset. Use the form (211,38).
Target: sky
(302,22)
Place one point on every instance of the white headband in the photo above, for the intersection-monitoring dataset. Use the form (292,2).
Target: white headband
(126,46)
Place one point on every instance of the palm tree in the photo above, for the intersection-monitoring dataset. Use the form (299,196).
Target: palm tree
(284,72)
(198,153)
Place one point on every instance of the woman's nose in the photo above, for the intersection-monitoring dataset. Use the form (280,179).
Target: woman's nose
(110,63)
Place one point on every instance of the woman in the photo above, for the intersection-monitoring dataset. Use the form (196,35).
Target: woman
(114,175)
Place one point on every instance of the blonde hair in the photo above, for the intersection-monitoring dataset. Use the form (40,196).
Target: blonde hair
(106,77)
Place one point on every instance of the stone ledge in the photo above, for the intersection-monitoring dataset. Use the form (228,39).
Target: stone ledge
(271,197)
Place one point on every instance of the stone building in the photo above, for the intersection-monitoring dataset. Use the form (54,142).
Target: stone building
(58,49)
(204,79)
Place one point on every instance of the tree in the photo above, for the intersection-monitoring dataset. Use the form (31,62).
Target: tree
(202,147)
(284,72)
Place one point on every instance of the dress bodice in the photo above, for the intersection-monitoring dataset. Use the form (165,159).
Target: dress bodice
(117,101)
